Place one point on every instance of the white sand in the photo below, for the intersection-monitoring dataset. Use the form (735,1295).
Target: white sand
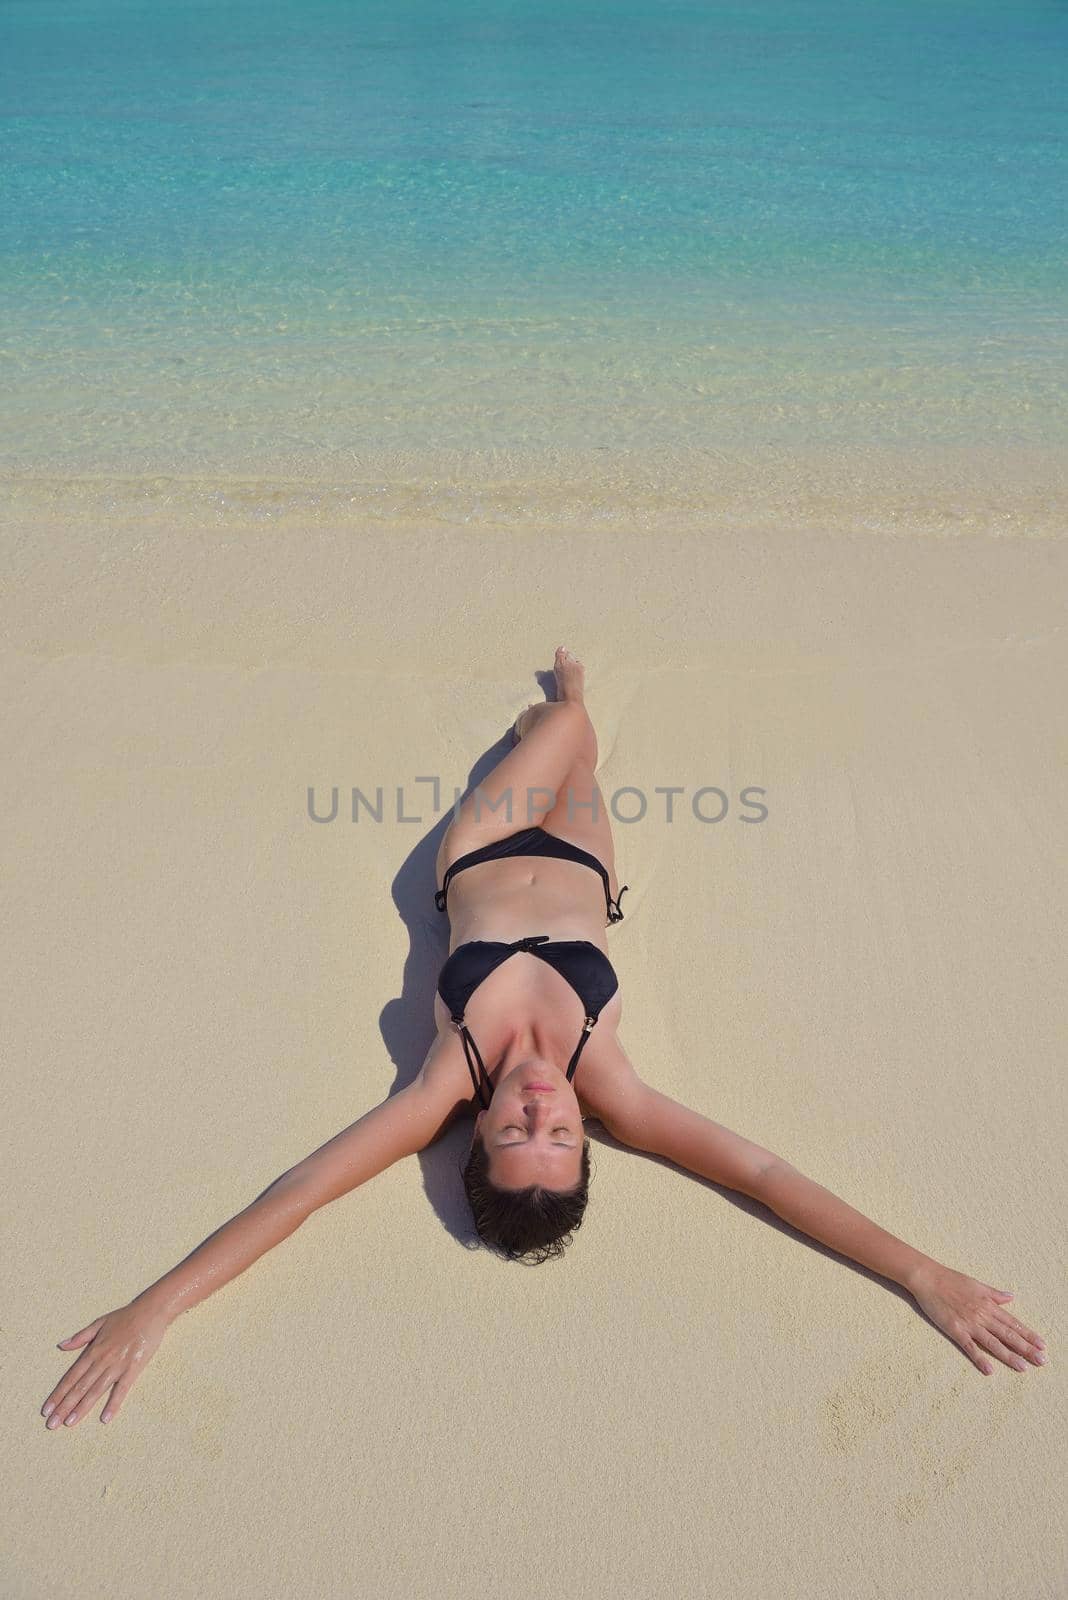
(204,985)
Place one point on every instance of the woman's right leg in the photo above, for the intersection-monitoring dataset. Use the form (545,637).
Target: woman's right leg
(581,817)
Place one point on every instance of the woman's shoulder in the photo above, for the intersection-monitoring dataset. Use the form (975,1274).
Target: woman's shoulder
(607,1081)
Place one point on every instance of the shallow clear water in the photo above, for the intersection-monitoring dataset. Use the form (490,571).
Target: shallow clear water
(312,233)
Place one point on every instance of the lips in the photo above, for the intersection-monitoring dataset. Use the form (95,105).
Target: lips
(544,1088)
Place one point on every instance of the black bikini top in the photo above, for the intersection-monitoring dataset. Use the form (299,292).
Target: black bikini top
(586,968)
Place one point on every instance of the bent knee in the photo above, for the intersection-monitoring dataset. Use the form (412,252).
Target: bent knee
(586,753)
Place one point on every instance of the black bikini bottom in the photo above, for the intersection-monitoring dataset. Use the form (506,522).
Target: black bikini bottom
(532,842)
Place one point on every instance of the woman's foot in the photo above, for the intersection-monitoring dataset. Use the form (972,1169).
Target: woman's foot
(570,685)
(570,676)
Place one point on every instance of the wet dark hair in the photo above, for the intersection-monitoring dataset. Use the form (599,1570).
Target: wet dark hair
(530,1225)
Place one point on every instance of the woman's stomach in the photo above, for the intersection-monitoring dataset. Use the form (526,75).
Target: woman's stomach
(517,896)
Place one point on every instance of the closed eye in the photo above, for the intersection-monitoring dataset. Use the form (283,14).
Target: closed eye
(513,1127)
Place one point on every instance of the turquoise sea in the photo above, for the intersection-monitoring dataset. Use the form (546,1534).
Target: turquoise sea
(301,235)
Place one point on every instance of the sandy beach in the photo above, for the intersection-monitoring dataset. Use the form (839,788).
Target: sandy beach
(204,985)
(355,357)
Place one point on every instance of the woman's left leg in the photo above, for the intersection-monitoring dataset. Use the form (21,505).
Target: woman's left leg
(546,776)
(524,787)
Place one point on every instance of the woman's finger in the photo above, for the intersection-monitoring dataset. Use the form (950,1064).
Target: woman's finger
(1016,1341)
(75,1373)
(78,1380)
(970,1348)
(1028,1333)
(90,1397)
(118,1395)
(1022,1339)
(81,1336)
(990,1341)
(63,1388)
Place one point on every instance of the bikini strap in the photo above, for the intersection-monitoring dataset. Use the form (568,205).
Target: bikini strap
(587,1026)
(441,895)
(615,913)
(471,1049)
(469,1046)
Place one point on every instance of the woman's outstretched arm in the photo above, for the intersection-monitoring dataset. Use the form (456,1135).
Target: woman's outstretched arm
(399,1126)
(968,1311)
(118,1345)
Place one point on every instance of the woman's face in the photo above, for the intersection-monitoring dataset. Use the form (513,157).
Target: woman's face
(532,1130)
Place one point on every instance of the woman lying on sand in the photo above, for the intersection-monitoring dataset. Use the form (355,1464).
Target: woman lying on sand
(528,977)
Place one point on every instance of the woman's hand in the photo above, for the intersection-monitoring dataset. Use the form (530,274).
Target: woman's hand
(118,1347)
(971,1314)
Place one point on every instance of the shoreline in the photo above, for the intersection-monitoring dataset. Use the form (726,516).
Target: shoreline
(1004,491)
